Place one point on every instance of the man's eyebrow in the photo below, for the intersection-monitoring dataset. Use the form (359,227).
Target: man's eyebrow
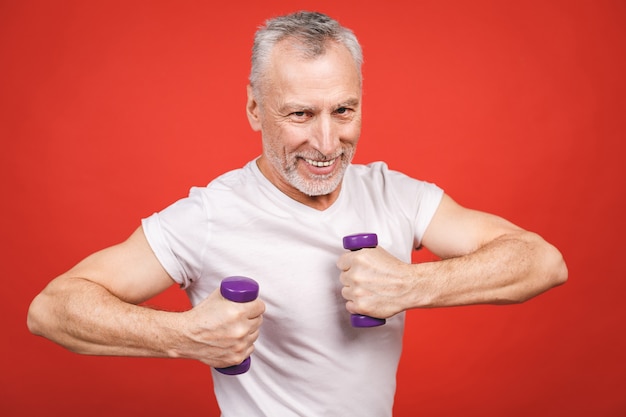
(291,106)
(294,106)
(349,103)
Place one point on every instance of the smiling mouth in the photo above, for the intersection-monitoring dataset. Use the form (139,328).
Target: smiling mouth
(320,164)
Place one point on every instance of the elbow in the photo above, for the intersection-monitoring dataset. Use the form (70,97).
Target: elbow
(553,273)
(560,272)
(36,317)
(557,271)
(40,318)
(33,318)
(550,268)
(41,321)
(550,271)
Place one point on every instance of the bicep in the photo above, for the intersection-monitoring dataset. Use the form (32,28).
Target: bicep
(129,270)
(456,231)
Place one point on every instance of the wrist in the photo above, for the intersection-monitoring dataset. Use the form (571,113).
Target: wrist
(424,288)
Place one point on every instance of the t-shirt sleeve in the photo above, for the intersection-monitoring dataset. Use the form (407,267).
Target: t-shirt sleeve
(418,200)
(178,236)
(430,196)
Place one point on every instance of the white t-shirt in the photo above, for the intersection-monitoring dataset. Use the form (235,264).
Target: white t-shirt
(308,360)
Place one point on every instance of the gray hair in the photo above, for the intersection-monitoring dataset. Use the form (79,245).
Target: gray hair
(310,31)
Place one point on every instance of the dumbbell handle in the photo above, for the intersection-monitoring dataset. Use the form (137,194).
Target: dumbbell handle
(354,243)
(239,290)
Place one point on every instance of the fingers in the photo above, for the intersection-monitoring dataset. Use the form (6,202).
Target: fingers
(222,333)
(346,260)
(255,308)
(237,352)
(358,301)
(371,283)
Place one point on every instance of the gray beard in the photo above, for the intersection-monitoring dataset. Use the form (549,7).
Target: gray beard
(315,185)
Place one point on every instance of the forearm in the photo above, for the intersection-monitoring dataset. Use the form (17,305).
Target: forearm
(510,269)
(86,318)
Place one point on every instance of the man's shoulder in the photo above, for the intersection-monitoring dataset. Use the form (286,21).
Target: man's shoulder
(379,175)
(234,178)
(370,168)
(374,170)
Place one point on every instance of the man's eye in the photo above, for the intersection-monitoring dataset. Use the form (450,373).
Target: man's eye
(299,113)
(342,110)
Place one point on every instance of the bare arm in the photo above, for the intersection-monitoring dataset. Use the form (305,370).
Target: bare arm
(485,260)
(92,309)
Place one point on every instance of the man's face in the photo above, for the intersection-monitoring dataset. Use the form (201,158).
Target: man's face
(310,119)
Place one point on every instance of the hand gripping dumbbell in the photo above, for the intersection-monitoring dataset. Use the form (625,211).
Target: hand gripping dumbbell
(354,243)
(239,290)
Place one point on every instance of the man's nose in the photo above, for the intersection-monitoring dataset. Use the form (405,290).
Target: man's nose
(325,135)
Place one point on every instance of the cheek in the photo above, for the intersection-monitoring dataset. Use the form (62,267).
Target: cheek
(287,137)
(274,145)
(352,133)
(271,135)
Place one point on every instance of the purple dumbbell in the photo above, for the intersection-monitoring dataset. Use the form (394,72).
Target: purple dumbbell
(239,290)
(357,242)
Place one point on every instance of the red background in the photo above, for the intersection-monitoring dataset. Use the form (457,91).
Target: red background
(110,111)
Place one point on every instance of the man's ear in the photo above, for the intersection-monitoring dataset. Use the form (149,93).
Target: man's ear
(252,110)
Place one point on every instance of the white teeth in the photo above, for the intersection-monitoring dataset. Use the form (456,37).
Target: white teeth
(319,163)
